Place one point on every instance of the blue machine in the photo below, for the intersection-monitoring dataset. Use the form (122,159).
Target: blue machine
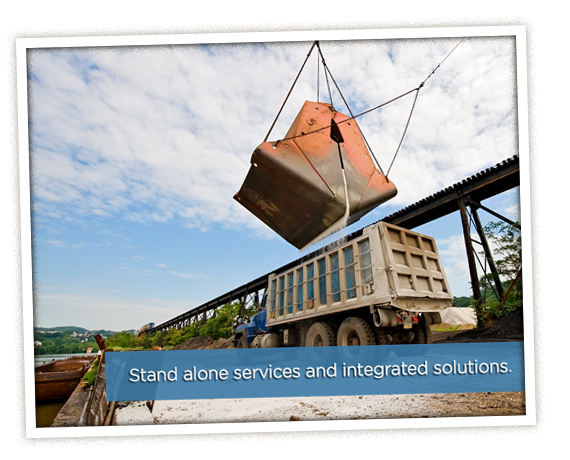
(248,331)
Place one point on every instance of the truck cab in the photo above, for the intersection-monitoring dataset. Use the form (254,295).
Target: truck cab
(247,332)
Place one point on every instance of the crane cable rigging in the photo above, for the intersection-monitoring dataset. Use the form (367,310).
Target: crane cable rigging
(328,73)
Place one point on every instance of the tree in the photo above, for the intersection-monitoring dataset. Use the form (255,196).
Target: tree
(122,339)
(157,339)
(462,301)
(505,239)
(173,337)
(221,325)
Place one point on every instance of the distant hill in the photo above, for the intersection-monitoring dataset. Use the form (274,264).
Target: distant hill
(67,339)
(61,329)
(78,330)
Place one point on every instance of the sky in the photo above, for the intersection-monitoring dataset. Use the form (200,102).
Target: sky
(137,151)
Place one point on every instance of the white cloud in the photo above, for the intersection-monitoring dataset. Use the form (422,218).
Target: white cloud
(127,267)
(64,244)
(188,275)
(57,243)
(452,253)
(99,311)
(163,133)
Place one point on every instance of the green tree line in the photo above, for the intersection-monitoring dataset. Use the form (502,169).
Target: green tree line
(62,343)
(218,327)
(506,242)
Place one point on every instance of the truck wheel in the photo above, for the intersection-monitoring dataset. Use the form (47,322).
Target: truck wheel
(355,331)
(242,342)
(422,334)
(320,335)
(381,336)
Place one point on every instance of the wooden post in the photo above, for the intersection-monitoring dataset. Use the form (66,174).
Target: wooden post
(100,342)
(512,285)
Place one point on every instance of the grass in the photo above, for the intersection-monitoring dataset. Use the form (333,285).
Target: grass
(91,374)
(448,329)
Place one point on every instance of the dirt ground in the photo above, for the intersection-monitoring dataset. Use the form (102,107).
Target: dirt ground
(338,407)
(321,408)
(508,329)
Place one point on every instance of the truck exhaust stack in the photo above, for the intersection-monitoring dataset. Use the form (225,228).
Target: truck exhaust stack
(317,180)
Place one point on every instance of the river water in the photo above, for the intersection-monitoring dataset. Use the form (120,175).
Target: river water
(41,359)
(47,411)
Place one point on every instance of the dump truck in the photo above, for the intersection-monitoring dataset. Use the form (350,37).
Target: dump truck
(146,328)
(380,285)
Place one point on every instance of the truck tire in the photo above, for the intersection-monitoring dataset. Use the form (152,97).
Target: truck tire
(355,331)
(422,334)
(320,335)
(381,336)
(242,342)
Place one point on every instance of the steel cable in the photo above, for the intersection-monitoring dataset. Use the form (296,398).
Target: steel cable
(353,117)
(289,93)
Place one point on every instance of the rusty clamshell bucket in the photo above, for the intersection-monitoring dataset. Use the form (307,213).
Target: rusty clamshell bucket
(317,180)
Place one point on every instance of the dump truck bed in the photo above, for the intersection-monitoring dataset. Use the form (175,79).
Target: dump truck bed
(386,266)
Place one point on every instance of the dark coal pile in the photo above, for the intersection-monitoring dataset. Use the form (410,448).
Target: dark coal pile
(205,343)
(195,343)
(508,329)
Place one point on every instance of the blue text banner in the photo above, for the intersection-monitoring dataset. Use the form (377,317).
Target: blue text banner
(323,371)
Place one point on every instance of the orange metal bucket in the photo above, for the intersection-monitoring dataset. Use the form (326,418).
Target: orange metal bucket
(319,179)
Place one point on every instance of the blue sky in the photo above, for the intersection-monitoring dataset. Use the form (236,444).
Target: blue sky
(137,152)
